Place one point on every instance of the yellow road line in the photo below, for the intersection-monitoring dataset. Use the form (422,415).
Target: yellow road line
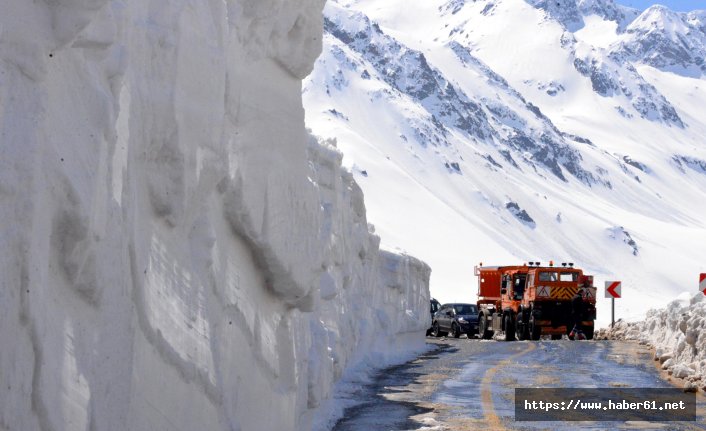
(489,415)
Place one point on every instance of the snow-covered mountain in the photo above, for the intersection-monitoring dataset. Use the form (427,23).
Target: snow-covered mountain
(501,131)
(666,40)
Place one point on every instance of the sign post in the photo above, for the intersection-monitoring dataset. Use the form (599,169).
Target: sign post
(612,291)
(702,283)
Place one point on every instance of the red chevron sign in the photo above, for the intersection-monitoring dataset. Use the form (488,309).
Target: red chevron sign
(612,289)
(702,283)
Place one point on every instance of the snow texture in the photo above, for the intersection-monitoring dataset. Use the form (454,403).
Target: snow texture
(678,334)
(178,252)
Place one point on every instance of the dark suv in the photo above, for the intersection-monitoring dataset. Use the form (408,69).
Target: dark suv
(456,319)
(434,306)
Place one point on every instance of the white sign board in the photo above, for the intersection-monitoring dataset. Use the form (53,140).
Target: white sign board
(613,289)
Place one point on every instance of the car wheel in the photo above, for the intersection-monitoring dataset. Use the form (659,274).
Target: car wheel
(455,330)
(435,329)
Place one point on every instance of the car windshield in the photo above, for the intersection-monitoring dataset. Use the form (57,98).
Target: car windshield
(465,309)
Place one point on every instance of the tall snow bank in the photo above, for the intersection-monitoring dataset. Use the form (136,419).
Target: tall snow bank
(678,334)
(177,251)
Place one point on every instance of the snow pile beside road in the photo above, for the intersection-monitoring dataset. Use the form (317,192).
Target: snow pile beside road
(678,334)
(177,251)
(373,304)
(622,330)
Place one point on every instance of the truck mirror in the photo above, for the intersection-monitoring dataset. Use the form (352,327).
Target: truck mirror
(503,291)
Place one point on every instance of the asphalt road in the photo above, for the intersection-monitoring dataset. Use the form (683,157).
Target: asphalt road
(464,384)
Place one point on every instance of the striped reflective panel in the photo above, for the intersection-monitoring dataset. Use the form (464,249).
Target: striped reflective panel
(564,292)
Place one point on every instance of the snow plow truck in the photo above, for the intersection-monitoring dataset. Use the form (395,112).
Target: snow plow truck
(527,301)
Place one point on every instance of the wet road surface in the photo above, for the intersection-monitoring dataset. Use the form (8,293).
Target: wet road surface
(464,384)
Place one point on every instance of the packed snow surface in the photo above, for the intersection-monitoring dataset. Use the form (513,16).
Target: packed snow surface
(177,251)
(508,131)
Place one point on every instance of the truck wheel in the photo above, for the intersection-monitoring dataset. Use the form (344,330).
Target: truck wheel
(589,333)
(535,331)
(483,331)
(520,329)
(509,328)
(556,336)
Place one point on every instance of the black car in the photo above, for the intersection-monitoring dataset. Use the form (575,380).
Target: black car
(434,306)
(456,319)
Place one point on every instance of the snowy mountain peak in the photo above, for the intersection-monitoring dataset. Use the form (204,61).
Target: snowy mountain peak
(660,18)
(667,40)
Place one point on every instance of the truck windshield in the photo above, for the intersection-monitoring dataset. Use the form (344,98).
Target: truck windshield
(558,276)
(548,276)
(569,276)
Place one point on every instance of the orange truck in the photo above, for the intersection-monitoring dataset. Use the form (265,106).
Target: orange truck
(530,300)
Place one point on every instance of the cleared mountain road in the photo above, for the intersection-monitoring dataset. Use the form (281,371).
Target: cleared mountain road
(466,384)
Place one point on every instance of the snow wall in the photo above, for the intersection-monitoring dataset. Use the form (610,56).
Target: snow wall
(678,334)
(177,252)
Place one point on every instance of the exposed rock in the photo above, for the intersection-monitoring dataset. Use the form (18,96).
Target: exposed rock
(520,214)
